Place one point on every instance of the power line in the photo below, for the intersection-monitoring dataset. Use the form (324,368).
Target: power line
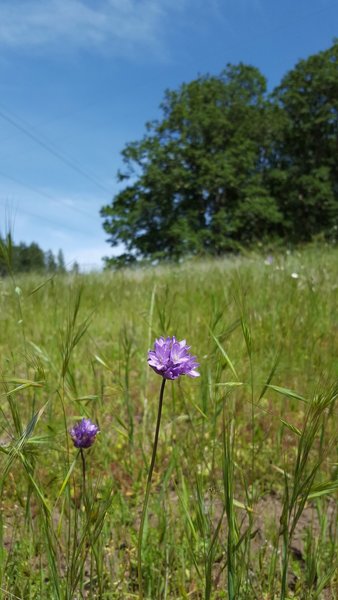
(61,117)
(46,195)
(28,126)
(46,146)
(47,220)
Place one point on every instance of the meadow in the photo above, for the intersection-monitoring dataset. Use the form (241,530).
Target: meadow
(243,495)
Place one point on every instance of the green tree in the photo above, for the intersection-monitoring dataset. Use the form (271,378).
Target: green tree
(75,268)
(196,181)
(61,267)
(24,258)
(28,258)
(50,262)
(6,254)
(303,161)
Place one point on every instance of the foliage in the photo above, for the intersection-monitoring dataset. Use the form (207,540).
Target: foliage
(242,502)
(196,179)
(304,174)
(25,258)
(61,267)
(227,165)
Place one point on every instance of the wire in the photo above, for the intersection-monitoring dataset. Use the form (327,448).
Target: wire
(46,195)
(46,146)
(41,218)
(61,117)
(25,125)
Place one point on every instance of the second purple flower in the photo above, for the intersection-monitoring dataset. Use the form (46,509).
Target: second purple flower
(171,358)
(83,433)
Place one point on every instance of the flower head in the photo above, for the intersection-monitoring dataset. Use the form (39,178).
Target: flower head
(171,358)
(83,433)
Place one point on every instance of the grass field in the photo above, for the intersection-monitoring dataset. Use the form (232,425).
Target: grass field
(242,501)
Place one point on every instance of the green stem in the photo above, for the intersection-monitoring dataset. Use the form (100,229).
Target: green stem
(146,498)
(83,471)
(84,487)
(285,564)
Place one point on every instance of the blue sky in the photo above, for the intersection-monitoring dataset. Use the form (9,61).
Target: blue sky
(79,79)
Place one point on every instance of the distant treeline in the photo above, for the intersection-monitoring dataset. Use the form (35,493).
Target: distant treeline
(229,165)
(26,258)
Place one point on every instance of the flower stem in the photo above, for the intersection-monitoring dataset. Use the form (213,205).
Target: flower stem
(84,487)
(148,486)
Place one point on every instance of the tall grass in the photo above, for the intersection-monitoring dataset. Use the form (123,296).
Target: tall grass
(242,498)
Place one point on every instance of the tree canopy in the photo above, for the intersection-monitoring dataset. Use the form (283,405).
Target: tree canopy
(25,258)
(228,165)
(304,167)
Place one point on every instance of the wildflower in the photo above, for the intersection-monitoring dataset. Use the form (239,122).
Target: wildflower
(83,433)
(171,358)
(269,260)
(294,275)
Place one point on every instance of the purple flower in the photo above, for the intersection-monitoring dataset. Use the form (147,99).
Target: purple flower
(171,358)
(268,260)
(83,433)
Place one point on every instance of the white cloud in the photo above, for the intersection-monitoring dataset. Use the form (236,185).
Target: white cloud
(119,26)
